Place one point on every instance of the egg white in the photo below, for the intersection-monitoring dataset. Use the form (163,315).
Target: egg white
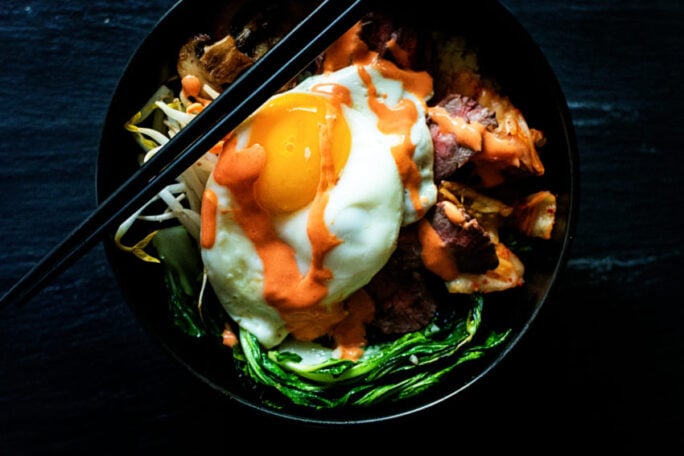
(391,91)
(366,209)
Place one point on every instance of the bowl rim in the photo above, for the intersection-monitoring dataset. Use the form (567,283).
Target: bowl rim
(571,154)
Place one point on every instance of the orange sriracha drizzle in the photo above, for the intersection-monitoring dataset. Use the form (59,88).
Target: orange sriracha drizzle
(297,297)
(435,253)
(285,289)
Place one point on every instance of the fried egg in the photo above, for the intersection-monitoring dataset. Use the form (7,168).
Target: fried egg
(308,195)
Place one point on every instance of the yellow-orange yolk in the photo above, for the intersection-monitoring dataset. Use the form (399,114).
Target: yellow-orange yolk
(291,128)
(288,157)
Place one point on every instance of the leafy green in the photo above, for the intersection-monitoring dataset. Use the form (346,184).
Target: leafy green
(183,276)
(387,371)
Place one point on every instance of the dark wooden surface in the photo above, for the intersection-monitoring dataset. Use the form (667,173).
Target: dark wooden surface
(603,363)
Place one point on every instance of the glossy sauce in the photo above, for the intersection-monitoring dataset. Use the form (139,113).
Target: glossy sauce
(297,297)
(191,86)
(349,49)
(399,54)
(397,120)
(467,134)
(208,221)
(284,287)
(434,252)
(350,334)
(507,146)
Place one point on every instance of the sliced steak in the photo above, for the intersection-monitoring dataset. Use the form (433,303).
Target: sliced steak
(470,244)
(394,42)
(449,154)
(403,302)
(403,298)
(468,109)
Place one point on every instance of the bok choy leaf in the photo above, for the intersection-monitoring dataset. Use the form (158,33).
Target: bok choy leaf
(182,275)
(387,371)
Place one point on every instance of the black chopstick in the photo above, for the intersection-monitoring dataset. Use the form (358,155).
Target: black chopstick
(265,77)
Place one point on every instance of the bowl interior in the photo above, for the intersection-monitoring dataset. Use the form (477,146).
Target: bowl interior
(506,52)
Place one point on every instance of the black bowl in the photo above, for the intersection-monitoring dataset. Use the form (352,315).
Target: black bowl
(506,52)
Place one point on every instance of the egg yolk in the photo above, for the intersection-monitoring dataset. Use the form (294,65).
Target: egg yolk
(294,129)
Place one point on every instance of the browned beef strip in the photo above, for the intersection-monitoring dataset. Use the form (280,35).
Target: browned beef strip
(461,106)
(407,254)
(404,300)
(449,154)
(473,249)
(379,29)
(403,291)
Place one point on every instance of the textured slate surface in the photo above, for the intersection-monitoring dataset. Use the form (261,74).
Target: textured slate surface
(604,359)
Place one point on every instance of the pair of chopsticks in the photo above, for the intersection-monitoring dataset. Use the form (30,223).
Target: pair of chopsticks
(247,93)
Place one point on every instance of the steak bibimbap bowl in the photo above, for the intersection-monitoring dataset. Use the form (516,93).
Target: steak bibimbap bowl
(370,241)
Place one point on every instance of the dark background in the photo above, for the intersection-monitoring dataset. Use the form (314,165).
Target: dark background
(602,364)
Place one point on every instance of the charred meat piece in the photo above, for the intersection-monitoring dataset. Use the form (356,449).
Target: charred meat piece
(513,144)
(403,290)
(469,243)
(508,274)
(450,154)
(407,255)
(468,109)
(403,298)
(403,302)
(394,42)
(491,213)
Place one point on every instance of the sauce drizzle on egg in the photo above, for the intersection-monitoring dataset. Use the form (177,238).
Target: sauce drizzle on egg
(350,49)
(258,196)
(285,288)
